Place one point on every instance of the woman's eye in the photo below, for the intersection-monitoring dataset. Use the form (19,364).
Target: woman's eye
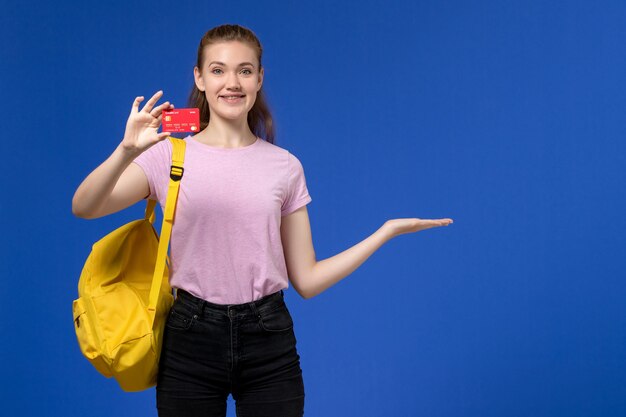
(217,69)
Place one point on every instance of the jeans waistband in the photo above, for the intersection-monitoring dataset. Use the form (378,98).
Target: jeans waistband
(230,309)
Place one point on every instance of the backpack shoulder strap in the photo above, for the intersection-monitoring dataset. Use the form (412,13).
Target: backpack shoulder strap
(176,174)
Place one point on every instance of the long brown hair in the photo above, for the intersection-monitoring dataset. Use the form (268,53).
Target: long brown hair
(259,117)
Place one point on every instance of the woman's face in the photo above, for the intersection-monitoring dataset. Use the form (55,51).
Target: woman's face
(229,69)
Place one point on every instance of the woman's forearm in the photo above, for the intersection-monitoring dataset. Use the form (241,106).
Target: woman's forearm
(97,187)
(328,272)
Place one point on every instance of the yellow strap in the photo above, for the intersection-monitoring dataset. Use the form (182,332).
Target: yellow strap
(150,211)
(176,173)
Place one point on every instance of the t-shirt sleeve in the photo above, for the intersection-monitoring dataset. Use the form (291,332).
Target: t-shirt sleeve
(297,192)
(155,162)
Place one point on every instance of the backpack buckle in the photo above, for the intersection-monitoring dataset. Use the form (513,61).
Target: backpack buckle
(176,172)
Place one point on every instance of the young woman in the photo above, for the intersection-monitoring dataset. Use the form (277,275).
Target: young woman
(241,234)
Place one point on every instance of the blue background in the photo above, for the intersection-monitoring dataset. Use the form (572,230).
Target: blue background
(507,117)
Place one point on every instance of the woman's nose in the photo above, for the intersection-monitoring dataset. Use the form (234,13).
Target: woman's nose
(233,82)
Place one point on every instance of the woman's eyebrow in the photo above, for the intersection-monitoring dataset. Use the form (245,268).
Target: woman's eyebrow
(240,65)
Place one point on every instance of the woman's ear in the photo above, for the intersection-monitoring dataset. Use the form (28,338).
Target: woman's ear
(261,74)
(198,79)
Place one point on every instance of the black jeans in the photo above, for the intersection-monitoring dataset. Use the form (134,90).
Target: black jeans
(213,350)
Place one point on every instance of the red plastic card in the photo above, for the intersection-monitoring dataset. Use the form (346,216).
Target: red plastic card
(181,120)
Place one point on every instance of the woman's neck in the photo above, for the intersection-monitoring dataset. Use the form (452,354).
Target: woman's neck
(226,135)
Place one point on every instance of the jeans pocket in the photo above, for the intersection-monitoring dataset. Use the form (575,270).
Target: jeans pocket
(276,320)
(180,319)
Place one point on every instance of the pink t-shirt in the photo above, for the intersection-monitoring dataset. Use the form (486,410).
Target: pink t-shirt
(226,246)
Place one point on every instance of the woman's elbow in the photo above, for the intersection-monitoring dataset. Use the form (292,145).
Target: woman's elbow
(79,211)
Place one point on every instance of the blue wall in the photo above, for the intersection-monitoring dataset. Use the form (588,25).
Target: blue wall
(507,117)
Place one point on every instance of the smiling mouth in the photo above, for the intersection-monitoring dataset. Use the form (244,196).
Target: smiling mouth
(232,100)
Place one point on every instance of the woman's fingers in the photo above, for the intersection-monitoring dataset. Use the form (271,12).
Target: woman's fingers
(157,110)
(163,135)
(148,107)
(135,106)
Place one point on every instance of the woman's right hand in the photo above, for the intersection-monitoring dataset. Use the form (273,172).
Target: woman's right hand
(142,125)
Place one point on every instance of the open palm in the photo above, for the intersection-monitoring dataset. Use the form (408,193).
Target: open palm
(401,226)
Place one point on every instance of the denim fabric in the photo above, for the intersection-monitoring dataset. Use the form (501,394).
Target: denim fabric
(213,350)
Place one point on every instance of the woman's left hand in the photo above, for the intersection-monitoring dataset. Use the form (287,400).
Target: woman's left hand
(398,227)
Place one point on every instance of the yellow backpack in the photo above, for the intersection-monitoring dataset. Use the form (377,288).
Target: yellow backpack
(124,294)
